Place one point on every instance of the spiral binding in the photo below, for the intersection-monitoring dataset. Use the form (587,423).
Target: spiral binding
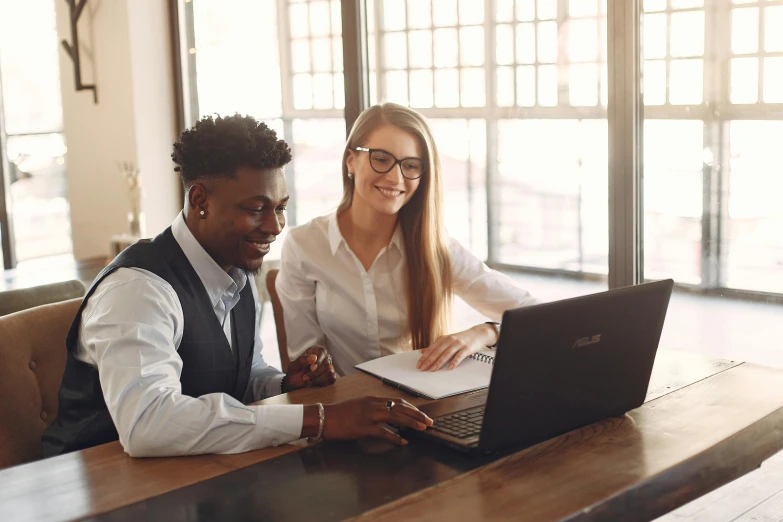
(481,357)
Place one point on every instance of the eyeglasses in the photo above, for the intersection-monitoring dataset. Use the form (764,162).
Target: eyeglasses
(382,162)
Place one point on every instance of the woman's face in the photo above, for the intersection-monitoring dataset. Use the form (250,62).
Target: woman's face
(386,193)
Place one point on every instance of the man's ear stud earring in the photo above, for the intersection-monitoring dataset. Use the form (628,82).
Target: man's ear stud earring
(201,213)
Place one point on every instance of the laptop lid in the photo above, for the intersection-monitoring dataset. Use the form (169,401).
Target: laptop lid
(564,364)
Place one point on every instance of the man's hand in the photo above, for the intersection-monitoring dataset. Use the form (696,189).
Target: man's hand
(306,370)
(455,347)
(365,416)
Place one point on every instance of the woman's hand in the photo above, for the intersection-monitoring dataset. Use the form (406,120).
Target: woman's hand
(455,347)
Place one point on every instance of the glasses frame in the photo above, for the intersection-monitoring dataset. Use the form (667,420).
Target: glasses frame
(396,162)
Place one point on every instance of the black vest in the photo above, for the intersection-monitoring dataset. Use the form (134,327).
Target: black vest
(208,364)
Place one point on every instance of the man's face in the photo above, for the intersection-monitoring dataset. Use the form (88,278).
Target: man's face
(243,216)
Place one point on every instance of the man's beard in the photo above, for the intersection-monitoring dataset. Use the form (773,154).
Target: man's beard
(254,272)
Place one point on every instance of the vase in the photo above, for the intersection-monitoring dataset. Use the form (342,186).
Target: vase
(134,223)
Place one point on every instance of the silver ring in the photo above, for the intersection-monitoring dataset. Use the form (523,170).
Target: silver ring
(329,358)
(389,405)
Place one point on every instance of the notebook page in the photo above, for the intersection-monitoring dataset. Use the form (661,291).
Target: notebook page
(401,368)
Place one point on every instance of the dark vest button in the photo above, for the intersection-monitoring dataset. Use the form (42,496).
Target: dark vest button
(32,365)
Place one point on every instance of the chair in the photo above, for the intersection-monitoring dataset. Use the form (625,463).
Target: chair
(277,308)
(23,298)
(32,361)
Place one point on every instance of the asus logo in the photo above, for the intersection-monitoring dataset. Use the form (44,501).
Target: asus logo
(587,341)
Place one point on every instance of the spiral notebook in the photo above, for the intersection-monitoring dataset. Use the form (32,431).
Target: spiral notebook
(399,370)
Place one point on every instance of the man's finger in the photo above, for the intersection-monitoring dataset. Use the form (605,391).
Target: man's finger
(409,416)
(325,378)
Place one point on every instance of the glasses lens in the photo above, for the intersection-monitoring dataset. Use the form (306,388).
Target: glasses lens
(381,161)
(412,168)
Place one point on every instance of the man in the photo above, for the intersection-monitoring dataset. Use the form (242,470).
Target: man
(164,353)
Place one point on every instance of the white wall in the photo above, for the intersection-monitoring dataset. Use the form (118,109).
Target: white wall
(125,50)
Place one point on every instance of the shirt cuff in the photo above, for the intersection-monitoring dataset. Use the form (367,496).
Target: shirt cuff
(278,424)
(273,385)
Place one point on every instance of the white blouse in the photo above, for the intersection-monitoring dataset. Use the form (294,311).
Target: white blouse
(329,298)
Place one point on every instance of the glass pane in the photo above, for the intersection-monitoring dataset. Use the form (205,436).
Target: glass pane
(686,4)
(579,8)
(421,46)
(472,87)
(322,54)
(393,15)
(583,40)
(419,14)
(745,30)
(298,14)
(29,67)
(504,44)
(395,51)
(687,34)
(447,88)
(686,82)
(504,10)
(583,85)
(39,195)
(654,82)
(546,9)
(303,91)
(422,89)
(654,44)
(505,87)
(319,18)
(300,55)
(547,86)
(462,148)
(225,84)
(673,152)
(526,86)
(744,80)
(654,5)
(323,98)
(547,42)
(526,43)
(773,80)
(396,87)
(755,218)
(471,12)
(553,211)
(773,35)
(526,10)
(471,41)
(446,46)
(444,13)
(319,147)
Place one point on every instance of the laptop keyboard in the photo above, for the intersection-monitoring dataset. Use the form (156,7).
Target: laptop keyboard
(462,424)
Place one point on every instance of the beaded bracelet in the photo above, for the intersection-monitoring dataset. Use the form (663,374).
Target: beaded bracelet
(321,421)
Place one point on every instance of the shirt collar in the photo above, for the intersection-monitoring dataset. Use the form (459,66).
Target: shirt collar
(336,237)
(216,281)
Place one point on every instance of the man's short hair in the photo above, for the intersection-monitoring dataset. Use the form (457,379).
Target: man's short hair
(216,147)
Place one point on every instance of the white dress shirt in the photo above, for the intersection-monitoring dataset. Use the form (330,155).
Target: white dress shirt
(131,329)
(329,298)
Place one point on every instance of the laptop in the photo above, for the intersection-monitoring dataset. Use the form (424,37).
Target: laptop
(559,366)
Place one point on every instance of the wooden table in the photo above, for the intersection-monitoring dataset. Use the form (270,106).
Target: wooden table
(705,423)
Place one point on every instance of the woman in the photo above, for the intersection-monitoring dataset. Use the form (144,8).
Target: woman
(377,276)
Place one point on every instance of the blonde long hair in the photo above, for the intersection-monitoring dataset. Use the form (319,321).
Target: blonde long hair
(429,284)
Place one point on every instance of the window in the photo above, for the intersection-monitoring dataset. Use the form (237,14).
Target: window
(711,168)
(525,80)
(35,149)
(281,62)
